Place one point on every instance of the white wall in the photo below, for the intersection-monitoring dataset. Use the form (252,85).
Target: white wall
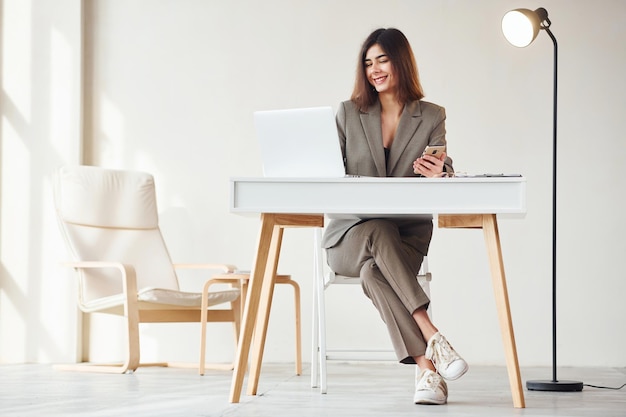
(170,87)
(40,130)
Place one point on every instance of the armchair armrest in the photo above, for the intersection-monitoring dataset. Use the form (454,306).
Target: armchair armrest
(225,268)
(221,267)
(129,282)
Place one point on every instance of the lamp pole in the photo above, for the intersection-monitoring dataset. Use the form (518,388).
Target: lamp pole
(554,384)
(554,201)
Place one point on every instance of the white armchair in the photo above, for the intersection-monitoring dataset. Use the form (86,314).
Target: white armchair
(110,223)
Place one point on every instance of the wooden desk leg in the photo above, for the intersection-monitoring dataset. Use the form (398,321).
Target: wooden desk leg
(265,304)
(257,277)
(268,248)
(494,251)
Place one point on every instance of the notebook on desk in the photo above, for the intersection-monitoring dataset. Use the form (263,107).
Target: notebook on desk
(299,143)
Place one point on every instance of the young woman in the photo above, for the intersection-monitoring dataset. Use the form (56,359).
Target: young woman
(383,130)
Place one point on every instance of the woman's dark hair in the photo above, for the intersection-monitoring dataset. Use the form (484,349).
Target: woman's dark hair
(400,54)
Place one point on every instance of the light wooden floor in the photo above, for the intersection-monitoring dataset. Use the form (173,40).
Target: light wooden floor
(355,389)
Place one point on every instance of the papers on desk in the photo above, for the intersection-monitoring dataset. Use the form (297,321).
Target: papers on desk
(466,175)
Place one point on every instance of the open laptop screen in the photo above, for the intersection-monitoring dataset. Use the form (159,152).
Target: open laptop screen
(301,143)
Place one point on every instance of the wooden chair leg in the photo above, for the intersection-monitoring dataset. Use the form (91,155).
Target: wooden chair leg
(132,355)
(238,305)
(298,324)
(203,319)
(131,315)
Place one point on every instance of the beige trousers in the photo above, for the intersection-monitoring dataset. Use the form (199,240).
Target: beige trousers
(387,266)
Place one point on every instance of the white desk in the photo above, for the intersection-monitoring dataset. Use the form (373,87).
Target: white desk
(303,202)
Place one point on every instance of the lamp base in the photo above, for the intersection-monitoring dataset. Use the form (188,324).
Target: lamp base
(560,386)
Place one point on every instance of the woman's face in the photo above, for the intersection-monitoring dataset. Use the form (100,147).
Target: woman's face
(379,71)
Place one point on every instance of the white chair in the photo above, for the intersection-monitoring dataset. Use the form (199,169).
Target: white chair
(110,223)
(323,279)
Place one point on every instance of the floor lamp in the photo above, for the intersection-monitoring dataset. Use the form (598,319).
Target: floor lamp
(520,28)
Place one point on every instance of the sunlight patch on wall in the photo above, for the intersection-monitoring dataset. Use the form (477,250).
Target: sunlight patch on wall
(61,95)
(15,188)
(14,242)
(110,145)
(12,332)
(16,56)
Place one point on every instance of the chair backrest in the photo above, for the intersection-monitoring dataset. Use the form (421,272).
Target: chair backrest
(111,215)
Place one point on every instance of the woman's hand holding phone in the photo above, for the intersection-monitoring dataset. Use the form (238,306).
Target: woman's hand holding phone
(431,163)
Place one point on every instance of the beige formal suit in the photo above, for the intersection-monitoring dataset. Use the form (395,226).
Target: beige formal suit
(360,135)
(387,253)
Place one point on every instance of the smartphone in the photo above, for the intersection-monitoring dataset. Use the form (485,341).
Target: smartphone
(435,150)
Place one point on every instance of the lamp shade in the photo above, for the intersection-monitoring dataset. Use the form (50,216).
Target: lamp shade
(521,26)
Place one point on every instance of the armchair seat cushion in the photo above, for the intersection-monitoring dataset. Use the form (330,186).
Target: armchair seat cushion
(160,296)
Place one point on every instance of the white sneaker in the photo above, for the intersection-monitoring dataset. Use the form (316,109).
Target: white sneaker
(430,388)
(447,362)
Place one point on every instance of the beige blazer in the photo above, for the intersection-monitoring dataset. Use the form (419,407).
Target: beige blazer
(360,135)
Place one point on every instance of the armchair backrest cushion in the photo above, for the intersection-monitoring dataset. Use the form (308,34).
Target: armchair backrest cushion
(111,215)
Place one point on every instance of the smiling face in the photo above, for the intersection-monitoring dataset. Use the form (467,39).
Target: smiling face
(379,71)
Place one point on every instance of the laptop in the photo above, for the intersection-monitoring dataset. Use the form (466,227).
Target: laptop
(299,143)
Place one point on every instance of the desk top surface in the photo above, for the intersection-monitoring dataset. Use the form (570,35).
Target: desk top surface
(375,196)
(486,178)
